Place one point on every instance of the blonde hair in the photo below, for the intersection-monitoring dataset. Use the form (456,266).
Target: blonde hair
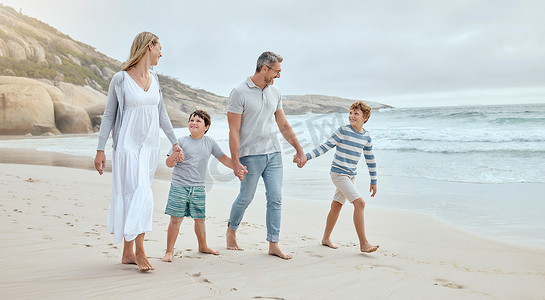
(139,48)
(365,109)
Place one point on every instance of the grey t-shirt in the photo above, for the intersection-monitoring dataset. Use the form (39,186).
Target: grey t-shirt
(192,171)
(258,129)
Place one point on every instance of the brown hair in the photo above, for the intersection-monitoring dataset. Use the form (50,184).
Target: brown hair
(203,115)
(365,109)
(139,48)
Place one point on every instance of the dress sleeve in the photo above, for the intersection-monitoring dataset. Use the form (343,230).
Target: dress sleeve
(109,115)
(164,120)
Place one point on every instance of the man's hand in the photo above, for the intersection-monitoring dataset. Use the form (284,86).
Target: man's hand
(373,190)
(300,159)
(100,161)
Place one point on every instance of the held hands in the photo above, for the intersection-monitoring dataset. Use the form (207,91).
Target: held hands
(300,159)
(239,170)
(176,149)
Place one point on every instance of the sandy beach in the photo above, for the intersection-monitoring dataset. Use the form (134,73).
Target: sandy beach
(56,244)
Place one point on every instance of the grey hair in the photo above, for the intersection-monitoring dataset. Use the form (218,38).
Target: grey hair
(266,59)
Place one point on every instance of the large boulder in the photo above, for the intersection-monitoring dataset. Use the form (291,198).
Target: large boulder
(41,129)
(81,96)
(71,119)
(54,93)
(22,106)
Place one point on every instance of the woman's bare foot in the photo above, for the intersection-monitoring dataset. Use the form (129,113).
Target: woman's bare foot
(168,257)
(231,237)
(208,250)
(275,250)
(368,248)
(129,259)
(143,263)
(329,244)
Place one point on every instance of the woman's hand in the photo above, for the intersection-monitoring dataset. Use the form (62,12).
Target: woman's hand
(177,149)
(100,161)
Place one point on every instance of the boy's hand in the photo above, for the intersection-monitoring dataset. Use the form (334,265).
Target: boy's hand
(373,190)
(176,147)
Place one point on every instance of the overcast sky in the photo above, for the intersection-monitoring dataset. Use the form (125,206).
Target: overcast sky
(402,53)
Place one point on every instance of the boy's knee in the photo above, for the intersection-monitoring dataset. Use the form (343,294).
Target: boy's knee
(359,203)
(176,221)
(336,205)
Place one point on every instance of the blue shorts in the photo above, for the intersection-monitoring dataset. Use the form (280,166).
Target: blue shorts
(186,202)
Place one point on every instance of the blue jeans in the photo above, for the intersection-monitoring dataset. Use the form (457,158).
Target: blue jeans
(268,166)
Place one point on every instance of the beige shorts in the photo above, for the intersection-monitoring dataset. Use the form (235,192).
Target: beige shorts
(345,188)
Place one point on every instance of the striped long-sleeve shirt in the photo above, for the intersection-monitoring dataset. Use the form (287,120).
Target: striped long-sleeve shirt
(350,145)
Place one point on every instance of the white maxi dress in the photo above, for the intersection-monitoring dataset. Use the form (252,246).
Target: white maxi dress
(134,162)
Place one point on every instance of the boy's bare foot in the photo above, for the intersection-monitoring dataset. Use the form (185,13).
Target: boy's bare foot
(275,250)
(231,237)
(143,263)
(329,244)
(168,257)
(208,250)
(129,259)
(368,248)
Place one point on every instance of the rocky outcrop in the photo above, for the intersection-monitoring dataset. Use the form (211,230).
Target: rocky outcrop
(38,107)
(75,77)
(24,106)
(320,104)
(81,96)
(42,129)
(71,119)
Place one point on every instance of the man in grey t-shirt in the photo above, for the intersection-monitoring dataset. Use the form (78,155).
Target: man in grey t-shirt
(254,113)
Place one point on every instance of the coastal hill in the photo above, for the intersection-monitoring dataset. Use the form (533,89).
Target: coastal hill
(50,83)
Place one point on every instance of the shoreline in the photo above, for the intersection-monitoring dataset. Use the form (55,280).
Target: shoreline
(54,225)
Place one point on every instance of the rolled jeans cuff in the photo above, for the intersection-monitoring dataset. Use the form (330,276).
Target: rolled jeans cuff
(273,238)
(232,227)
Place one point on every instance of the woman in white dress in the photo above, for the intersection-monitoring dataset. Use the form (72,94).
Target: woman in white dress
(134,113)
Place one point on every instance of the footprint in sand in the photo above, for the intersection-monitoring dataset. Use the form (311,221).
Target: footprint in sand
(385,266)
(448,284)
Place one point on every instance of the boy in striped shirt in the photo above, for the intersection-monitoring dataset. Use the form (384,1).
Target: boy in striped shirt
(351,141)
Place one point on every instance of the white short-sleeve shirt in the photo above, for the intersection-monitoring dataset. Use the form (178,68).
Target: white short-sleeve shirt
(258,129)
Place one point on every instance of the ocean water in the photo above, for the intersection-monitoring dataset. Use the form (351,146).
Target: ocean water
(480,168)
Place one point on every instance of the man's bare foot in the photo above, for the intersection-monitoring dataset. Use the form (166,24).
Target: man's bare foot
(208,250)
(231,237)
(329,244)
(275,250)
(143,263)
(168,257)
(129,259)
(368,248)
